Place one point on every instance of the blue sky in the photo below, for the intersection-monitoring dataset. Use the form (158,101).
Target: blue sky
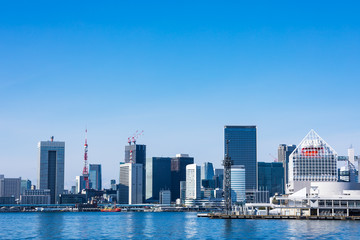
(178,70)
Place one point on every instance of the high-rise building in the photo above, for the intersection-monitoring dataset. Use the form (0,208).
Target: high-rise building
(313,160)
(51,167)
(284,152)
(219,172)
(130,184)
(178,173)
(271,177)
(238,183)
(158,177)
(95,176)
(243,151)
(80,184)
(136,153)
(25,185)
(182,192)
(193,178)
(207,171)
(10,187)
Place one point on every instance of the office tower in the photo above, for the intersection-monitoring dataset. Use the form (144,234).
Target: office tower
(219,172)
(158,177)
(39,196)
(95,176)
(284,152)
(80,184)
(130,184)
(182,192)
(238,184)
(136,153)
(178,173)
(165,197)
(207,171)
(313,160)
(73,190)
(10,187)
(242,150)
(271,177)
(113,183)
(193,178)
(51,167)
(25,185)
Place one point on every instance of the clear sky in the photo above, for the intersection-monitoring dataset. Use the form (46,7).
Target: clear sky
(180,71)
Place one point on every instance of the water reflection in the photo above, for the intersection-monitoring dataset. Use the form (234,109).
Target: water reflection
(50,225)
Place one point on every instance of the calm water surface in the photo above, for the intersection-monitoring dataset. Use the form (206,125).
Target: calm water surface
(96,225)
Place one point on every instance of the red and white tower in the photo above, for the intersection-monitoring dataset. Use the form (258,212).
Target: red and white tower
(86,169)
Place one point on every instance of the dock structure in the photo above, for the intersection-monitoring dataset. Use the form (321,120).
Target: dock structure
(277,217)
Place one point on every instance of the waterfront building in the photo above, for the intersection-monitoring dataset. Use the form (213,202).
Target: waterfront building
(193,177)
(271,177)
(178,173)
(136,153)
(25,185)
(130,183)
(158,176)
(165,197)
(80,184)
(284,152)
(243,151)
(10,187)
(73,189)
(7,200)
(238,183)
(72,198)
(51,167)
(95,176)
(313,160)
(182,191)
(39,196)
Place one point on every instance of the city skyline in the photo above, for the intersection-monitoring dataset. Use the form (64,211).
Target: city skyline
(178,72)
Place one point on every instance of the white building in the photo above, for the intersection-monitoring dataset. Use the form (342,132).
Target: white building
(193,179)
(312,161)
(131,183)
(238,183)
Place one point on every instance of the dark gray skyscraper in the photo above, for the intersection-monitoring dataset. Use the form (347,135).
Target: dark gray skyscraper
(284,152)
(178,173)
(243,151)
(51,167)
(158,177)
(95,176)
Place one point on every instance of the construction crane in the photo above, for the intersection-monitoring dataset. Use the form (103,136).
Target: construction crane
(275,159)
(133,138)
(86,169)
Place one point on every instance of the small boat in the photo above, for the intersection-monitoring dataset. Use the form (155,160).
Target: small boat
(110,210)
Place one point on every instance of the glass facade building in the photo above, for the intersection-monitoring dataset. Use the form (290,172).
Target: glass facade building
(284,152)
(178,173)
(271,177)
(243,150)
(95,176)
(238,183)
(158,177)
(51,168)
